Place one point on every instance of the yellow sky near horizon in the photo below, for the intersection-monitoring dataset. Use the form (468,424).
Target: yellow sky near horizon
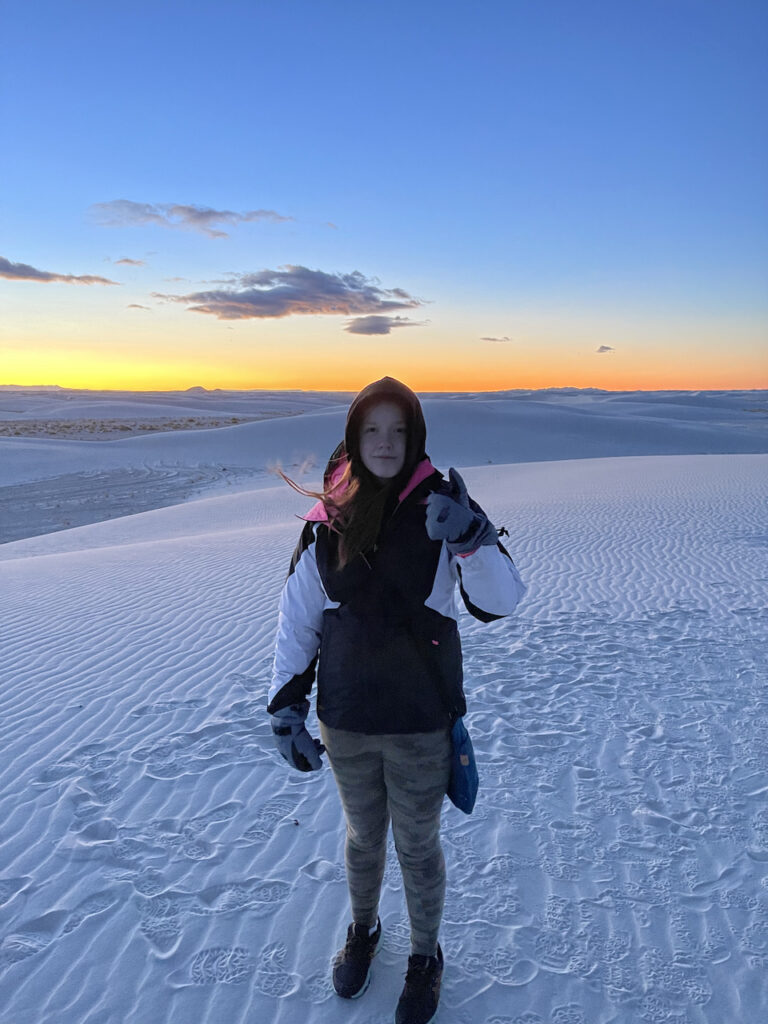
(318,359)
(610,374)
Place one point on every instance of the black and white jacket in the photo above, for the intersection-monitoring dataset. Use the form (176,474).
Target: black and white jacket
(382,632)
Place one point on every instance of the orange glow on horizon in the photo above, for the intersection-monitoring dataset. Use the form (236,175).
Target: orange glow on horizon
(696,379)
(440,364)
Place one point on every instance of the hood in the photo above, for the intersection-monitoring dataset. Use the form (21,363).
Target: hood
(416,460)
(388,389)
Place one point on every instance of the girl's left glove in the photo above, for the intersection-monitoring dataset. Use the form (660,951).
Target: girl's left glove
(450,518)
(292,739)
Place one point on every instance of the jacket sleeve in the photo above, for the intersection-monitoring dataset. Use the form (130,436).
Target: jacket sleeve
(299,626)
(490,583)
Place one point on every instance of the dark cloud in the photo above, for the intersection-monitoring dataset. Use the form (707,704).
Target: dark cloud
(496,339)
(125,213)
(380,324)
(604,348)
(130,263)
(295,290)
(23,272)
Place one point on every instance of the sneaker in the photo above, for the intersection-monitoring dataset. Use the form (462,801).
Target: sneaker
(352,965)
(419,999)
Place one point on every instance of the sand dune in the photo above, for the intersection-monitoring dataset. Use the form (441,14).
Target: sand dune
(160,863)
(79,481)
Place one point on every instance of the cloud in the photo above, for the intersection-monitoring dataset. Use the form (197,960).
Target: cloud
(130,263)
(23,272)
(604,348)
(126,213)
(294,290)
(504,339)
(136,305)
(380,324)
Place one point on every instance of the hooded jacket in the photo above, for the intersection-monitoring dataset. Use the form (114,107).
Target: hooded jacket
(381,634)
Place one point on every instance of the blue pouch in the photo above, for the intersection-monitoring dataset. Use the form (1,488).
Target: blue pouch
(464,781)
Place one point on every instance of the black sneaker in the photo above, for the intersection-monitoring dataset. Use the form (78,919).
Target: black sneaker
(419,998)
(352,965)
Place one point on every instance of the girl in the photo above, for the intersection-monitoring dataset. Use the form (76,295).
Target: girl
(370,601)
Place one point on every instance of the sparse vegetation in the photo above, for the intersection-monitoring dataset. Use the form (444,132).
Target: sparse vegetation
(108,429)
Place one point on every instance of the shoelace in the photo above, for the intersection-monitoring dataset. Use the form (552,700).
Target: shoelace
(418,971)
(358,943)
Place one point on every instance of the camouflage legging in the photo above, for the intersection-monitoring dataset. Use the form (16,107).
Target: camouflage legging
(402,777)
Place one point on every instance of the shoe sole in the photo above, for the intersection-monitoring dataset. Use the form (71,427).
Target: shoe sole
(363,990)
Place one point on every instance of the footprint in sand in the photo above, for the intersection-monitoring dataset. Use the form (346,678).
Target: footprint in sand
(506,967)
(218,965)
(32,938)
(754,939)
(162,914)
(527,1018)
(559,913)
(500,963)
(499,906)
(325,871)
(272,813)
(160,923)
(319,987)
(90,906)
(272,979)
(569,1014)
(37,935)
(130,847)
(555,951)
(88,760)
(668,985)
(91,781)
(396,937)
(259,897)
(218,745)
(148,882)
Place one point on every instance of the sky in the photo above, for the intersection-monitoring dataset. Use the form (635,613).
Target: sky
(310,194)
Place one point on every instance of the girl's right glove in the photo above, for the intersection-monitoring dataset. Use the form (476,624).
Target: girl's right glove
(292,739)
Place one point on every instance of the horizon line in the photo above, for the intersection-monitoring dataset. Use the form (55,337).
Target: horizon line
(347,391)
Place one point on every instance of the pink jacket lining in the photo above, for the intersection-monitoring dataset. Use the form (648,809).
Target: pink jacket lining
(319,514)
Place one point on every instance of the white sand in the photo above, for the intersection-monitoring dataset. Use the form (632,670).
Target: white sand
(160,863)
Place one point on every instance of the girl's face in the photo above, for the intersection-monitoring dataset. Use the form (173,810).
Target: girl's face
(383,439)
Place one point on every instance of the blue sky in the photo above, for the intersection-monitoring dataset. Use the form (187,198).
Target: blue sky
(551,173)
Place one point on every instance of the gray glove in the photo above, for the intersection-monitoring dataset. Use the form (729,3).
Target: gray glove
(450,518)
(292,739)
